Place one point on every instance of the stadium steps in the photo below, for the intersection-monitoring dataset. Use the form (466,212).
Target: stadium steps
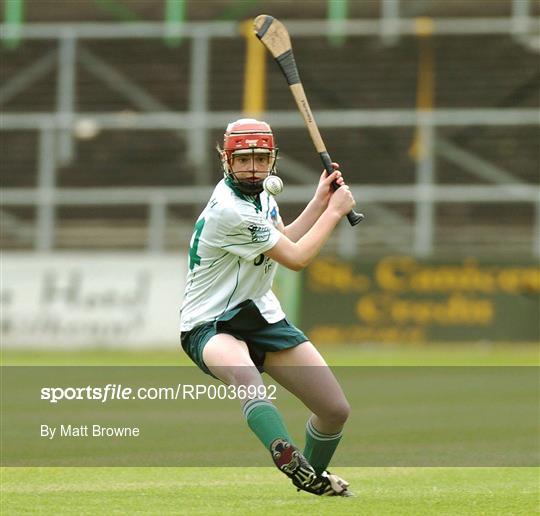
(369,76)
(129,234)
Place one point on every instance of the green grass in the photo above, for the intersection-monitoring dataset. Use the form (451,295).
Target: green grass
(441,354)
(265,491)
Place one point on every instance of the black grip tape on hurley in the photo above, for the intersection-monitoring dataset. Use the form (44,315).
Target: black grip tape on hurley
(327,162)
(353,217)
(288,66)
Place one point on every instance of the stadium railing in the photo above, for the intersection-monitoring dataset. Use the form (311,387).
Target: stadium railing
(423,196)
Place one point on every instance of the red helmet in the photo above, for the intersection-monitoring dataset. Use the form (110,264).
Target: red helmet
(247,135)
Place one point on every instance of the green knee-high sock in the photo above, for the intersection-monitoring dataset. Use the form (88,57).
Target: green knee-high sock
(265,421)
(319,447)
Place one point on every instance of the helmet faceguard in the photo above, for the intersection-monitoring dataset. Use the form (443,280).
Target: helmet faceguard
(243,138)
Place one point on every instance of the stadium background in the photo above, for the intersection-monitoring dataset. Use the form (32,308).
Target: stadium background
(110,112)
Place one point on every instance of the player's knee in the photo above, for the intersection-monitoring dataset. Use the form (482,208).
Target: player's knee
(337,414)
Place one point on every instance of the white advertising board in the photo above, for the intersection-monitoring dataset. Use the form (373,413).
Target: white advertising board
(70,300)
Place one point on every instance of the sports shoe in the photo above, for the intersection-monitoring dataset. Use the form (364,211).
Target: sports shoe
(327,484)
(338,485)
(290,460)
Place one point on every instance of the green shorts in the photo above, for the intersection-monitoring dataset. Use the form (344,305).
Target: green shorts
(246,323)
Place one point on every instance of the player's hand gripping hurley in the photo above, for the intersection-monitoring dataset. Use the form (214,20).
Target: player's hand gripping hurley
(275,38)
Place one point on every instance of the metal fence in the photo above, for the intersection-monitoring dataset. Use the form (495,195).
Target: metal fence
(56,131)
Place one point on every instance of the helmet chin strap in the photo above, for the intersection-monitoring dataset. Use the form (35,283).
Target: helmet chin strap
(248,187)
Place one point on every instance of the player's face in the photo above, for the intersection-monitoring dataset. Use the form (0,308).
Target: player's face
(245,166)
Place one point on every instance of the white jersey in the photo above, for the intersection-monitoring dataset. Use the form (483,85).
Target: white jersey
(226,261)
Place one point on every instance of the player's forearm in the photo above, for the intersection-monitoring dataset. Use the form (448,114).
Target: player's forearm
(309,245)
(297,255)
(301,225)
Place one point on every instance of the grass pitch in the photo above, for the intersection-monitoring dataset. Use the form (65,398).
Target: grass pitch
(478,354)
(264,491)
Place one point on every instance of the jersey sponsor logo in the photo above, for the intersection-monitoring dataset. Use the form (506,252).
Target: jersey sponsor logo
(259,233)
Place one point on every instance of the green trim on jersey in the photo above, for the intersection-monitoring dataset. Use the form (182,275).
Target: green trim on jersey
(230,245)
(217,260)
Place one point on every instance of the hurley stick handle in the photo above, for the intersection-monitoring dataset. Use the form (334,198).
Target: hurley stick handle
(275,37)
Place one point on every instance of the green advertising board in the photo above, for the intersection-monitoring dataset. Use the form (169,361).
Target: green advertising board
(401,299)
